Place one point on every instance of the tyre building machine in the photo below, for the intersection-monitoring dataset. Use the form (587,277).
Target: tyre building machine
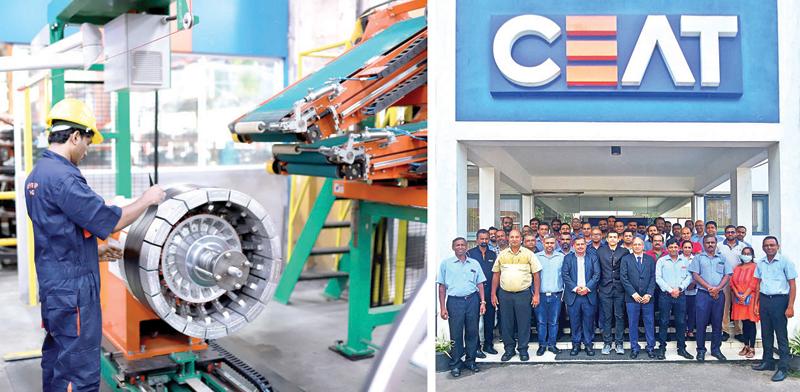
(204,263)
(197,267)
(319,128)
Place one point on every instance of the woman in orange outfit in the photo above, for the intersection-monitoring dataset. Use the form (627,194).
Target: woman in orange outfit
(745,290)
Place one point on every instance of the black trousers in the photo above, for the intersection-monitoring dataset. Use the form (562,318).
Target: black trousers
(749,332)
(773,325)
(515,313)
(488,317)
(613,305)
(462,317)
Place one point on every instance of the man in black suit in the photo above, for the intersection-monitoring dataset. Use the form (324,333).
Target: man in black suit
(581,274)
(612,294)
(637,274)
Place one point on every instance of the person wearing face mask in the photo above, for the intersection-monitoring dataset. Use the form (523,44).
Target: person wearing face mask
(744,289)
(485,258)
(730,249)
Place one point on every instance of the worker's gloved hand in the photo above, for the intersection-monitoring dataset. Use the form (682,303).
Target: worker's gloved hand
(154,195)
(109,252)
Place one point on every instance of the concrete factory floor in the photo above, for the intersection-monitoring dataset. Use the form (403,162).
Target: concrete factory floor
(287,344)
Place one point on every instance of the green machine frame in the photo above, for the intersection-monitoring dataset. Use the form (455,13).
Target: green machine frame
(357,263)
(362,317)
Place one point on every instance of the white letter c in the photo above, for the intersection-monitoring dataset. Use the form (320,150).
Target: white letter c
(508,34)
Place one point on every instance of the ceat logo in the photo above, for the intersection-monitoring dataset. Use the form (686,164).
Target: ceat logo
(600,55)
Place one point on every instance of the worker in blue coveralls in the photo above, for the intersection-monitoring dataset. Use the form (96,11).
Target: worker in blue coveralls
(68,217)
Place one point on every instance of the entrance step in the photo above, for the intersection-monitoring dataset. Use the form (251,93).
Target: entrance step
(729,349)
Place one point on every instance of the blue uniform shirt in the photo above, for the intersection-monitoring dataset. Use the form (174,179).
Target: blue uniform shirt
(775,275)
(673,274)
(486,261)
(539,245)
(460,278)
(551,281)
(711,269)
(67,216)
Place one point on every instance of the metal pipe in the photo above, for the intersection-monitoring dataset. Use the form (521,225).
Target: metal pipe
(285,149)
(60,54)
(28,154)
(155,141)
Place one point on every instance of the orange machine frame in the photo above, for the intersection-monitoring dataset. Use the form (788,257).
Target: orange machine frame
(344,109)
(122,318)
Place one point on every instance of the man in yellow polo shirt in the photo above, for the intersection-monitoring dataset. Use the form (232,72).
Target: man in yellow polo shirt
(516,272)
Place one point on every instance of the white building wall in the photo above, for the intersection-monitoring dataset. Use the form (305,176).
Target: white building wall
(447,133)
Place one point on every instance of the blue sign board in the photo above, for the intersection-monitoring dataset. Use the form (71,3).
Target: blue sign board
(597,88)
(657,79)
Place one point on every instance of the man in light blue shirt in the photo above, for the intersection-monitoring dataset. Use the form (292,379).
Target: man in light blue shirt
(741,233)
(461,282)
(542,231)
(712,273)
(776,276)
(652,230)
(672,276)
(552,287)
(711,228)
(699,231)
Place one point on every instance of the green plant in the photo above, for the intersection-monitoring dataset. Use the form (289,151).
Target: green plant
(443,345)
(794,345)
(539,213)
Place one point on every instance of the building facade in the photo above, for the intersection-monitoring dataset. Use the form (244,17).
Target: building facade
(691,96)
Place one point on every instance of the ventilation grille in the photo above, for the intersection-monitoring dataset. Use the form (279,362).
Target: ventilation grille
(146,68)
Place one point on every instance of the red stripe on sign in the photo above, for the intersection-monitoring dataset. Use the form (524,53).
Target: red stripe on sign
(591,25)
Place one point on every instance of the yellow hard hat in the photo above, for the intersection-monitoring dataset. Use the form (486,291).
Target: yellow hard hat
(76,112)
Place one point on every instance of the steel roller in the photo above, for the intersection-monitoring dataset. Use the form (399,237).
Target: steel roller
(206,260)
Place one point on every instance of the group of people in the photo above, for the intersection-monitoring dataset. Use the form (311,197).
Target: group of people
(603,273)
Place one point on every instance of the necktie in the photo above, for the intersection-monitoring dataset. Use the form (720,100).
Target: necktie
(639,259)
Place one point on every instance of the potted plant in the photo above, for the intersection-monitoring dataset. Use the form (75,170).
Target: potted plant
(443,347)
(794,349)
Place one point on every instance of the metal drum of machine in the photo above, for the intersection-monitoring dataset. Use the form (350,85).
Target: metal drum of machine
(206,260)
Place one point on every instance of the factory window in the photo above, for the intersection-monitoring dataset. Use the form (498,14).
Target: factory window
(473,216)
(718,209)
(511,205)
(760,215)
(206,94)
